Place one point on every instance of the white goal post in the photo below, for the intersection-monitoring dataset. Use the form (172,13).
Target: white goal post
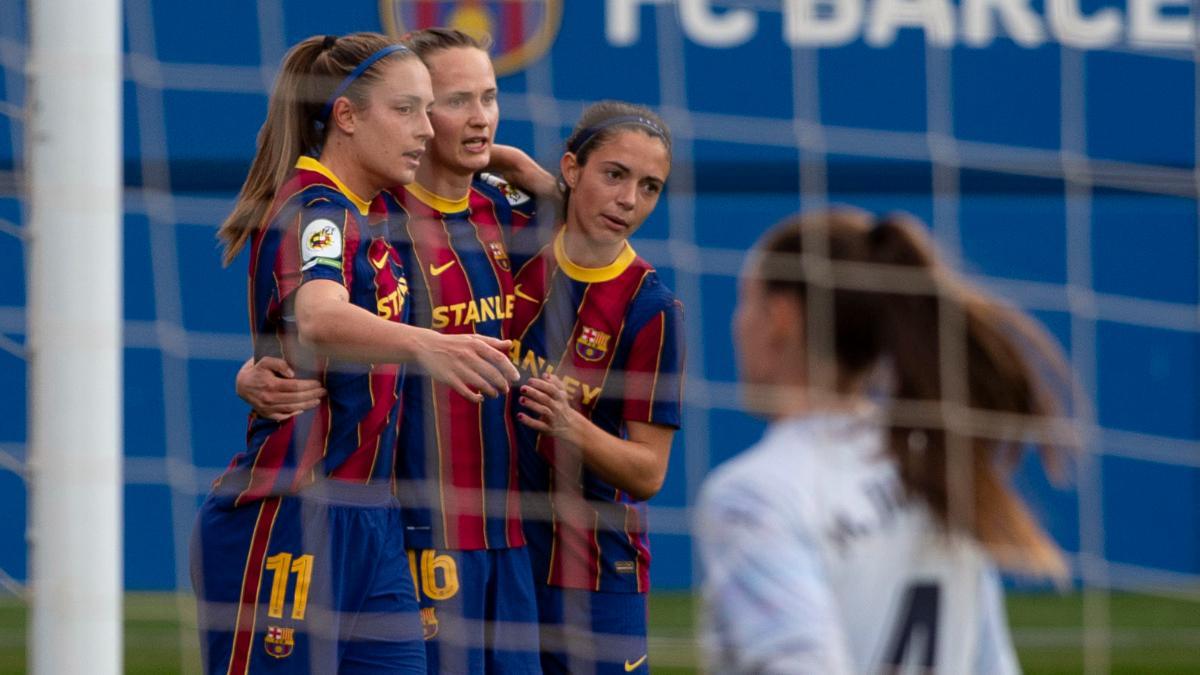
(73,145)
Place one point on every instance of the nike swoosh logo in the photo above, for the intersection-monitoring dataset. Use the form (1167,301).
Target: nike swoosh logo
(437,271)
(517,292)
(630,667)
(378,264)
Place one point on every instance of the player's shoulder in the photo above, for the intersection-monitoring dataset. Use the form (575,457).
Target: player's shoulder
(654,295)
(769,475)
(499,190)
(794,458)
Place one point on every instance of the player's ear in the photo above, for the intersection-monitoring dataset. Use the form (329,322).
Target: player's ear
(785,322)
(569,167)
(342,115)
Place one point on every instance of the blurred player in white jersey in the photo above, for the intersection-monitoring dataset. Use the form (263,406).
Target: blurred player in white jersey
(863,532)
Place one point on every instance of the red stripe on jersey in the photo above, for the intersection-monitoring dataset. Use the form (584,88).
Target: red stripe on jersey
(267,462)
(460,447)
(641,370)
(352,238)
(314,449)
(530,294)
(635,530)
(513,529)
(491,236)
(575,561)
(243,632)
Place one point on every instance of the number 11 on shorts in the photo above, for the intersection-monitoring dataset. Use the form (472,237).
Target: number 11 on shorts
(282,566)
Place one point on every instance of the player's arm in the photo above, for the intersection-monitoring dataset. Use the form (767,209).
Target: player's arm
(330,325)
(518,168)
(768,607)
(637,465)
(271,388)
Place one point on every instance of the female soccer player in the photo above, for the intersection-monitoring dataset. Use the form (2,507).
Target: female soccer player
(860,534)
(456,463)
(462,511)
(298,553)
(597,333)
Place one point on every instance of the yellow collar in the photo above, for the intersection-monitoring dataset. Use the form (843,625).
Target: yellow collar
(592,275)
(438,202)
(312,164)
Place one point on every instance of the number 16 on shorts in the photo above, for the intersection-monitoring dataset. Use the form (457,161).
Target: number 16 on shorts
(435,578)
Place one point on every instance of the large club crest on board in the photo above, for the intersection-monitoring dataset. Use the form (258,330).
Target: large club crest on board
(521,30)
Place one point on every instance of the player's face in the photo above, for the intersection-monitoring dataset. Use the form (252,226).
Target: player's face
(767,336)
(750,315)
(391,131)
(465,111)
(616,190)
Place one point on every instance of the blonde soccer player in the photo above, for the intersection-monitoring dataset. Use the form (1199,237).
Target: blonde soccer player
(298,555)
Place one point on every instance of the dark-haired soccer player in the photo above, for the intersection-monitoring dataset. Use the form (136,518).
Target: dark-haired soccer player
(597,333)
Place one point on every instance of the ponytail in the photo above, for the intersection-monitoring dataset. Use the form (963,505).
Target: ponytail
(312,73)
(954,440)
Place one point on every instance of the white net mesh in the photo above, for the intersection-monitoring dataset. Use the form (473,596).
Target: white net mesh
(1086,216)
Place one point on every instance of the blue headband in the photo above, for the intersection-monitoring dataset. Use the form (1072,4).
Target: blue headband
(354,75)
(588,134)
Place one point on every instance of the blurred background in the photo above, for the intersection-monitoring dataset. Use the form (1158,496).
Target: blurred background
(1050,145)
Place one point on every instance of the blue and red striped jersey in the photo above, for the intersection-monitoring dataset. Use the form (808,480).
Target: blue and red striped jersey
(613,336)
(319,229)
(456,465)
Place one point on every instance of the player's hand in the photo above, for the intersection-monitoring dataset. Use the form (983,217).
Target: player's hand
(518,168)
(472,365)
(547,399)
(270,388)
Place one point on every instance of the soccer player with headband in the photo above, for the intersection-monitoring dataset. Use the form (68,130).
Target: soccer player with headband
(456,464)
(862,533)
(597,335)
(298,554)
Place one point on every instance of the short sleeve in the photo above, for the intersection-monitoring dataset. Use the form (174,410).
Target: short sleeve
(319,245)
(654,370)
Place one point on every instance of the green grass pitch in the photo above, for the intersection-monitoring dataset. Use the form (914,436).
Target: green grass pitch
(1148,634)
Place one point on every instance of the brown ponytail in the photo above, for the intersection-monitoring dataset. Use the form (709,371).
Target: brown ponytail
(953,439)
(311,72)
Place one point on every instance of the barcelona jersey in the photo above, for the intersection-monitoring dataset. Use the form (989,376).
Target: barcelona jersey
(318,229)
(612,335)
(456,470)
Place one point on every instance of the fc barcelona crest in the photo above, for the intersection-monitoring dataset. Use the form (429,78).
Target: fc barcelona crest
(280,641)
(592,344)
(521,30)
(429,622)
(499,255)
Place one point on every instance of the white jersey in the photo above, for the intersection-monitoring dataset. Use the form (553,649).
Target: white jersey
(816,563)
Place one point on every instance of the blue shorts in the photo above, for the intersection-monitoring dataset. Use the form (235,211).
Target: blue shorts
(312,583)
(478,610)
(592,632)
